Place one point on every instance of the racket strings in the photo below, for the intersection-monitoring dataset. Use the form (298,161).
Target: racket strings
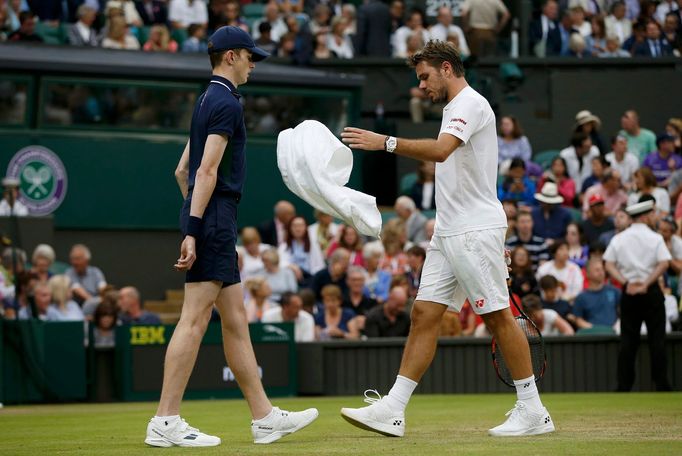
(537,353)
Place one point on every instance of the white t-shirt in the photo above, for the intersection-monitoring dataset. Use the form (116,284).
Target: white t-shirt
(187,13)
(440,32)
(549,328)
(571,276)
(626,168)
(636,252)
(304,326)
(466,183)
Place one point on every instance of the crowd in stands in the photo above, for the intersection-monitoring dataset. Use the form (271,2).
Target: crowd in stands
(332,29)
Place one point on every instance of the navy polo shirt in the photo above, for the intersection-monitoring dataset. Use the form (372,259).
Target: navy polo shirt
(218,111)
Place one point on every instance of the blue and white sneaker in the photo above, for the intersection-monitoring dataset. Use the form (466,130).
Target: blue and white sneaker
(177,432)
(377,417)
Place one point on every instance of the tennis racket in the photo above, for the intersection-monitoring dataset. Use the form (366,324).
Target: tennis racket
(536,344)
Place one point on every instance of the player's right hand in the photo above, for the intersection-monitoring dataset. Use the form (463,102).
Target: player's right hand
(187,254)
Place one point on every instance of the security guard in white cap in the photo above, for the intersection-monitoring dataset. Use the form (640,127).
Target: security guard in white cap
(10,205)
(637,257)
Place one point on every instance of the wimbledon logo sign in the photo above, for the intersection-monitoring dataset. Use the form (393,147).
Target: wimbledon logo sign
(42,178)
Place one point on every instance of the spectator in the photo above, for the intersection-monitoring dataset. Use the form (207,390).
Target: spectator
(350,240)
(415,25)
(378,281)
(264,40)
(233,15)
(67,308)
(609,189)
(81,33)
(10,205)
(637,257)
(249,254)
(664,161)
(349,13)
(511,142)
(517,186)
(393,238)
(26,31)
(108,295)
(596,44)
(321,48)
(415,260)
(577,247)
(674,129)
(13,9)
(664,8)
(667,227)
(617,24)
(672,33)
(321,19)
(613,48)
(152,11)
(511,209)
(558,38)
(274,231)
(182,13)
(195,42)
(338,41)
(535,245)
(550,292)
(323,231)
(86,281)
(548,321)
(621,222)
(300,254)
(42,259)
(160,40)
(637,38)
(567,273)
(13,261)
(374,24)
(522,276)
(583,27)
(558,173)
(104,321)
(444,27)
(278,27)
(335,322)
(397,11)
(131,311)
(389,319)
(597,222)
(291,310)
(429,227)
(541,27)
(356,300)
(406,209)
(645,184)
(577,46)
(589,124)
(641,141)
(578,157)
(280,279)
(599,164)
(118,36)
(42,298)
(423,192)
(132,17)
(259,299)
(549,218)
(622,160)
(485,19)
(334,274)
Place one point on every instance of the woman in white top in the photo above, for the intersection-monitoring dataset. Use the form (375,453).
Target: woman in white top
(298,253)
(338,41)
(69,310)
(250,261)
(645,182)
(567,273)
(118,37)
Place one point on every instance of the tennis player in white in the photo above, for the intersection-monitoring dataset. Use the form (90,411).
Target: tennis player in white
(466,256)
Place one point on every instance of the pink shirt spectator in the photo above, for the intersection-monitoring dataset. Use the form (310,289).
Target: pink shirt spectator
(356,258)
(612,202)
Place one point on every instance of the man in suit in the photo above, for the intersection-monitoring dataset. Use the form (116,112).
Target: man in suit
(374,29)
(152,11)
(81,33)
(274,231)
(558,37)
(406,209)
(540,28)
(653,45)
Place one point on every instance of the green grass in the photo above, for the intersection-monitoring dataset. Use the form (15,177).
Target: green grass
(589,424)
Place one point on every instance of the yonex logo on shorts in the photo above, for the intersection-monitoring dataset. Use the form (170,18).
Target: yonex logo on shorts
(480,303)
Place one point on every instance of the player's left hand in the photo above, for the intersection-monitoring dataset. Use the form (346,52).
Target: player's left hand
(357,138)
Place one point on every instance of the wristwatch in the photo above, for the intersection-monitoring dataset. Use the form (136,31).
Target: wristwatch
(390,144)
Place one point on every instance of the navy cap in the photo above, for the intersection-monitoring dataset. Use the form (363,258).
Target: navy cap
(664,137)
(231,37)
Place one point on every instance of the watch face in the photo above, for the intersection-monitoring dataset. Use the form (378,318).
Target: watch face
(391,143)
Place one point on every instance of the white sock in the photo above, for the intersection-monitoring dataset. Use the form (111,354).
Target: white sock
(167,420)
(400,394)
(266,418)
(527,392)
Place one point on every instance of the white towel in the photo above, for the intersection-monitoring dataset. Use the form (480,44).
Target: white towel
(316,166)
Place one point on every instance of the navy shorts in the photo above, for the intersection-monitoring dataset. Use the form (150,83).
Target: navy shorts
(216,245)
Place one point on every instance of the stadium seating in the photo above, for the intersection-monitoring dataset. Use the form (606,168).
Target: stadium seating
(406,183)
(50,34)
(596,329)
(545,157)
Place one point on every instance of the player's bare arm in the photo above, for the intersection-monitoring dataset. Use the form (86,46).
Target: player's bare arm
(437,150)
(204,184)
(182,172)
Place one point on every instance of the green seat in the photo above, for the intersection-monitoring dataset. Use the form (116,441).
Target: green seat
(576,214)
(407,182)
(143,34)
(59,267)
(545,157)
(253,10)
(386,216)
(50,34)
(179,35)
(596,329)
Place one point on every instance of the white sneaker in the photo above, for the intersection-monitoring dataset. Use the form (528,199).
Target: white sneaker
(523,421)
(377,417)
(283,423)
(166,434)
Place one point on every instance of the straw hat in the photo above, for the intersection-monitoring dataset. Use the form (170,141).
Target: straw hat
(549,194)
(586,116)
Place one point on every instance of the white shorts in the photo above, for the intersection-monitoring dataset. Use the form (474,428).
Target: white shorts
(469,265)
